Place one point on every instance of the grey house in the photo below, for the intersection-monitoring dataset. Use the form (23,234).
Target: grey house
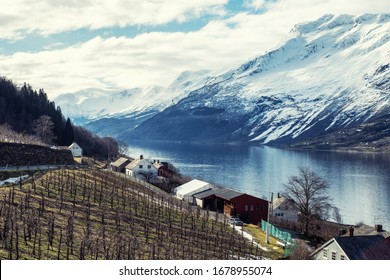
(362,247)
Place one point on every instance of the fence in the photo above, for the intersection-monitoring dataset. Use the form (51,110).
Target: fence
(280,234)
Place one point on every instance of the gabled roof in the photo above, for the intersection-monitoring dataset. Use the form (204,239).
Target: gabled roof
(191,186)
(362,247)
(133,164)
(139,161)
(204,194)
(365,247)
(228,194)
(279,201)
(157,165)
(120,161)
(74,144)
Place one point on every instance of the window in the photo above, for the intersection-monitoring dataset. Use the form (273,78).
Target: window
(149,166)
(246,207)
(140,167)
(333,255)
(342,257)
(325,253)
(252,207)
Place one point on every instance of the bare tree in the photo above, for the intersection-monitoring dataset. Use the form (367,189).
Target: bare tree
(148,176)
(308,193)
(44,128)
(123,148)
(337,216)
(301,252)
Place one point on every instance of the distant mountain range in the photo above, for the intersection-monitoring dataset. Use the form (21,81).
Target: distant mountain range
(327,75)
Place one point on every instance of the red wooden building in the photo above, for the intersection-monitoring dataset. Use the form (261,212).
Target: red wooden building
(249,208)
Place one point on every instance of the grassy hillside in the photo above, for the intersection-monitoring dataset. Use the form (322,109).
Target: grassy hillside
(90,214)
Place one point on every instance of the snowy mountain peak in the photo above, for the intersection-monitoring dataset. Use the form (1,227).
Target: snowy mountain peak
(327,74)
(329,22)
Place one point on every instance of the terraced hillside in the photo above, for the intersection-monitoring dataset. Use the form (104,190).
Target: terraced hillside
(90,214)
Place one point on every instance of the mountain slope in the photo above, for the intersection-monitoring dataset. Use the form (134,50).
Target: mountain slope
(371,136)
(328,74)
(110,112)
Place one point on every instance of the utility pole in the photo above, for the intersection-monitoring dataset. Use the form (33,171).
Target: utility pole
(269,210)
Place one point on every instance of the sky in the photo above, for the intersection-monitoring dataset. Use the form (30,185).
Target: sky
(67,46)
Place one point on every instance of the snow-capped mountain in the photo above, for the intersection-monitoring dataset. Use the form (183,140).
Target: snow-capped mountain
(93,104)
(327,74)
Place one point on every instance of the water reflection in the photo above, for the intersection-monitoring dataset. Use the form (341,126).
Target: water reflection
(360,182)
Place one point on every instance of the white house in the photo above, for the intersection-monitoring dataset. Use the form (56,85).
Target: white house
(76,150)
(283,208)
(187,190)
(141,168)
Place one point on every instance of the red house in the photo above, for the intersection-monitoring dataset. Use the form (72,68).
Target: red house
(249,208)
(163,169)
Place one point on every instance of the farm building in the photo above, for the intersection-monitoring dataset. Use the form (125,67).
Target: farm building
(187,190)
(249,208)
(120,164)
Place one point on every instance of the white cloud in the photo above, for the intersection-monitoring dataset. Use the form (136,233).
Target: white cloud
(21,17)
(256,4)
(158,58)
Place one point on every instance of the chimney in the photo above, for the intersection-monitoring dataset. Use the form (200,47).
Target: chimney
(378,228)
(351,229)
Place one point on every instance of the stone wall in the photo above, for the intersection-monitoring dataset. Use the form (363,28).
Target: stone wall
(14,154)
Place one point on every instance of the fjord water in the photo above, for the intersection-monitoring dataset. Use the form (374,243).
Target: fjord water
(359,182)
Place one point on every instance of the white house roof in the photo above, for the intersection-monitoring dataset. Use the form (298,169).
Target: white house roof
(74,144)
(190,187)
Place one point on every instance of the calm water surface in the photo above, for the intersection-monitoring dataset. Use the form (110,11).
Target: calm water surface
(359,182)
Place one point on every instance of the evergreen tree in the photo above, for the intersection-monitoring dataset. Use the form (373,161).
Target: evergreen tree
(68,133)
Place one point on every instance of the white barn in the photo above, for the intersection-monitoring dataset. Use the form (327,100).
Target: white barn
(76,150)
(187,190)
